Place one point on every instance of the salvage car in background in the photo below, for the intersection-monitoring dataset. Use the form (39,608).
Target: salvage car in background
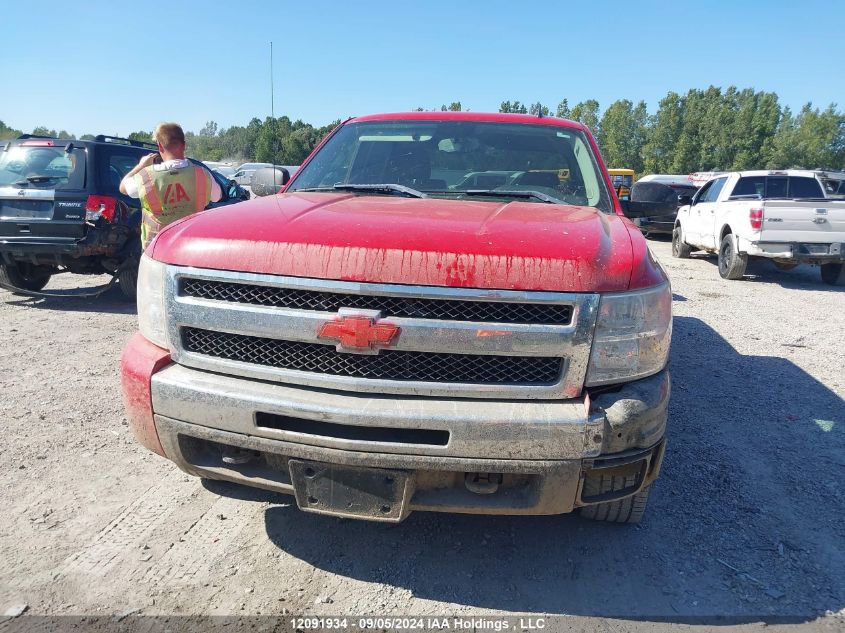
(661,195)
(244,172)
(61,210)
(784,216)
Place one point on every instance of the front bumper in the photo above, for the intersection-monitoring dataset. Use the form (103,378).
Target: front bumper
(537,453)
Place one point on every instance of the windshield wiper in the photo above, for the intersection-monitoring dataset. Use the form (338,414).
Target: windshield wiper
(375,188)
(381,188)
(29,179)
(514,193)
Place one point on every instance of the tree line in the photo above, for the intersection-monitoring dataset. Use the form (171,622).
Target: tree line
(274,140)
(703,130)
(708,130)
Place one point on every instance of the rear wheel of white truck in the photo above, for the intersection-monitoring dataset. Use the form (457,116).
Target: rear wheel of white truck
(627,510)
(732,264)
(833,274)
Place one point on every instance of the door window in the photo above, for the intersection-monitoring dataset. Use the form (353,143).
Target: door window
(713,193)
(701,196)
(118,164)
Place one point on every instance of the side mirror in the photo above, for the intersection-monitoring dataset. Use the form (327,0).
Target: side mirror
(684,199)
(268,181)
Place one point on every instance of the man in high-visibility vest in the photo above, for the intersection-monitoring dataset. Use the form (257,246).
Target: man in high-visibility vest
(169,186)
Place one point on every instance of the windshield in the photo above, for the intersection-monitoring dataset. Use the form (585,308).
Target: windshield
(452,158)
(42,167)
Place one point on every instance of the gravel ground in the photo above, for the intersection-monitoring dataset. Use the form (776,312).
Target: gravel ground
(745,525)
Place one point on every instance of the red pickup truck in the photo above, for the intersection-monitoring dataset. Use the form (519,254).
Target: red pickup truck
(440,311)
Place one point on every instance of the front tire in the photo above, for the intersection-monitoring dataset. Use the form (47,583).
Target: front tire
(680,249)
(833,274)
(731,263)
(626,510)
(24,277)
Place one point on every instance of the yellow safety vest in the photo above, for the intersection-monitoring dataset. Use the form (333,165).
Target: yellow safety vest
(168,195)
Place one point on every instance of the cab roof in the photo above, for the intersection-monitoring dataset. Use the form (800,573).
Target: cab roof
(482,117)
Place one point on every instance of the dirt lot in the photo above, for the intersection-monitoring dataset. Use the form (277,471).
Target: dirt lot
(747,520)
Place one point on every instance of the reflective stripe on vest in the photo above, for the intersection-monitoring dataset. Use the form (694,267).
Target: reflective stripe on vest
(169,195)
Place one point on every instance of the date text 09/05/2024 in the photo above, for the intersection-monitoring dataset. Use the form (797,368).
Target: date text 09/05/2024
(419,623)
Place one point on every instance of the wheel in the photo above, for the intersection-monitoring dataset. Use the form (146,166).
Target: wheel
(731,264)
(680,249)
(784,264)
(833,274)
(127,279)
(23,276)
(627,510)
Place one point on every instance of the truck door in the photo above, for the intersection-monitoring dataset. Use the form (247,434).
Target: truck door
(699,213)
(711,212)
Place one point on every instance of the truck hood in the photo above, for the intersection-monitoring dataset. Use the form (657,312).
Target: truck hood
(433,242)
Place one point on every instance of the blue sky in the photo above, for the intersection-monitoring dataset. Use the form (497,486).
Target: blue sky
(84,67)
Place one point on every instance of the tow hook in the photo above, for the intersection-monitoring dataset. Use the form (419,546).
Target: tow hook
(237,456)
(482,483)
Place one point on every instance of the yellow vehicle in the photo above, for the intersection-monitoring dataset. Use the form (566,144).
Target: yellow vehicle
(622,180)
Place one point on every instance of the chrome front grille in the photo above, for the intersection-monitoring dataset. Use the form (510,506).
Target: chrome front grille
(452,342)
(409,307)
(388,365)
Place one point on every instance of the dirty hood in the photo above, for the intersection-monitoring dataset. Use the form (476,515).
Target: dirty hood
(386,239)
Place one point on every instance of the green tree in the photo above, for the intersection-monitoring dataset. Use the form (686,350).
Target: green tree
(455,106)
(813,139)
(538,109)
(516,107)
(686,151)
(623,130)
(662,134)
(144,137)
(563,110)
(756,118)
(43,131)
(209,129)
(587,112)
(7,132)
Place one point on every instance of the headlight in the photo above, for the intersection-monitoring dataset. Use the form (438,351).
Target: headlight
(632,335)
(151,317)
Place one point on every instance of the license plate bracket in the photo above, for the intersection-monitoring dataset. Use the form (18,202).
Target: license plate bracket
(377,494)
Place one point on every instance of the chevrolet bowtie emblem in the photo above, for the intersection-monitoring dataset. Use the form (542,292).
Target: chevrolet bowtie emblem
(358,334)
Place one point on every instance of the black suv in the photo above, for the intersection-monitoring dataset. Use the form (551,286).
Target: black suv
(61,210)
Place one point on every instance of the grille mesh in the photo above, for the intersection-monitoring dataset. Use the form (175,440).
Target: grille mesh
(442,309)
(388,365)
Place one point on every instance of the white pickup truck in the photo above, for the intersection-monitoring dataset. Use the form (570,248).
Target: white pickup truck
(785,216)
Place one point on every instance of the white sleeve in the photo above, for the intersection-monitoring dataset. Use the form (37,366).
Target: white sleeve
(131,186)
(216,192)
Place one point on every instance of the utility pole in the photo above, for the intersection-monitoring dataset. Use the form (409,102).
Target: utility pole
(273,116)
(272,111)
